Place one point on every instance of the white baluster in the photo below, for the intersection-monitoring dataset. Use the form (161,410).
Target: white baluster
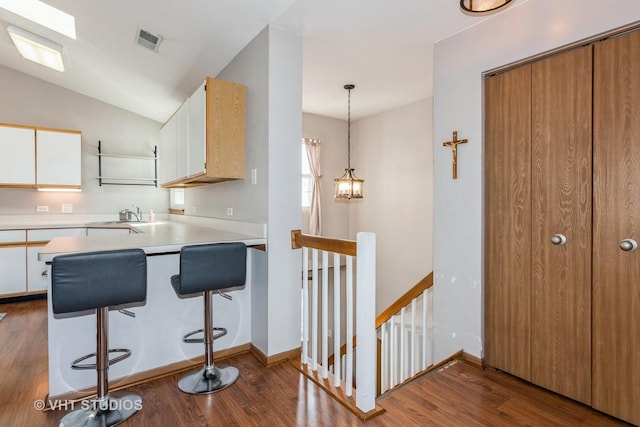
(336,320)
(413,337)
(325,314)
(403,375)
(425,332)
(305,305)
(314,309)
(349,333)
(394,347)
(384,358)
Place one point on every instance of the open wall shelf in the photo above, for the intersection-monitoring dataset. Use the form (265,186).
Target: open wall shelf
(114,179)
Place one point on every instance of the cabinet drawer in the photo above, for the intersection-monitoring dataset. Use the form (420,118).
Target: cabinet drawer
(13,236)
(44,235)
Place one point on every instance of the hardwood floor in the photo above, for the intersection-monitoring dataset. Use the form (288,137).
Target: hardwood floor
(459,395)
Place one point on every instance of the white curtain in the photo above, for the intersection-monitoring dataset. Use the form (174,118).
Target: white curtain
(315,214)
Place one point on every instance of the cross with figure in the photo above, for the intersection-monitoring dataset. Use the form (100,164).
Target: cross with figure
(454,150)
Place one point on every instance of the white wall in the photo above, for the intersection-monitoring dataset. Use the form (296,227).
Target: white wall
(249,202)
(393,153)
(285,187)
(30,101)
(270,67)
(522,30)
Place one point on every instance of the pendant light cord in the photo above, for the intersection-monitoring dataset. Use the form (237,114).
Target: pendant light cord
(349,131)
(349,87)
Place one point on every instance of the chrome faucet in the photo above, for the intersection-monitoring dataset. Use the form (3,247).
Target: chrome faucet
(127,215)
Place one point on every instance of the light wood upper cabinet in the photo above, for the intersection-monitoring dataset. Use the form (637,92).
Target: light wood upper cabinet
(210,136)
(58,158)
(32,157)
(17,154)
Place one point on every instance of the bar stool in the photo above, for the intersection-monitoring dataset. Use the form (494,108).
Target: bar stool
(206,269)
(97,281)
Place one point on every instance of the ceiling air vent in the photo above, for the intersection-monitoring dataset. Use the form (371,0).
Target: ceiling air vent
(146,39)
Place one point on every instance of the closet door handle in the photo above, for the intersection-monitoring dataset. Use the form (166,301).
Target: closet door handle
(628,245)
(559,239)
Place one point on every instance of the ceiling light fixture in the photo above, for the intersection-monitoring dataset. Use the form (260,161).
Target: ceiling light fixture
(478,6)
(43,14)
(37,49)
(348,186)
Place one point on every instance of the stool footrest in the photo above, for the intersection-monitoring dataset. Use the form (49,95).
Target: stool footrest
(77,365)
(218,333)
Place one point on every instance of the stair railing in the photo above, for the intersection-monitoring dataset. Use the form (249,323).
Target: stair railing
(353,307)
(405,332)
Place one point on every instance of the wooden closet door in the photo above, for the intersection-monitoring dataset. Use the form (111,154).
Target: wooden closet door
(507,283)
(561,205)
(616,273)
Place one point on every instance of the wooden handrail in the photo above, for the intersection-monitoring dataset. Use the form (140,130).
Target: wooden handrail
(340,246)
(343,351)
(405,299)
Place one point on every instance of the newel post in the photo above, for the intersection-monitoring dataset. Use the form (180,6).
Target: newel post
(366,365)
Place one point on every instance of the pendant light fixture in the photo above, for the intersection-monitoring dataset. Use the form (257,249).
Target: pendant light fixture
(479,6)
(348,186)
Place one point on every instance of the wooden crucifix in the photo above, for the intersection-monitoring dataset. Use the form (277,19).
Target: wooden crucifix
(454,150)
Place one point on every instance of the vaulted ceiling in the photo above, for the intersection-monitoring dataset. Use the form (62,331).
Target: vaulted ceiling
(383,46)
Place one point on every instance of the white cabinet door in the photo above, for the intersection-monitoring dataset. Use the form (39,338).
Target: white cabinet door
(167,152)
(58,158)
(182,140)
(17,156)
(36,270)
(13,261)
(197,146)
(38,238)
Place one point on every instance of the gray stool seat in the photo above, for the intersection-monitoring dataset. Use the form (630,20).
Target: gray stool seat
(205,269)
(96,281)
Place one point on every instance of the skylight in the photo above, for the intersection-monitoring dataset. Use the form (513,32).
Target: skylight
(43,14)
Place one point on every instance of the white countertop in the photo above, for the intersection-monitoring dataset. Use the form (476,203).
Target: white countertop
(153,238)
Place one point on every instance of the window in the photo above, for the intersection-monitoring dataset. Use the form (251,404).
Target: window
(176,198)
(307,179)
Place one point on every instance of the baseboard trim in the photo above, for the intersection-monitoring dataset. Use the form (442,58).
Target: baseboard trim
(269,361)
(151,374)
(472,360)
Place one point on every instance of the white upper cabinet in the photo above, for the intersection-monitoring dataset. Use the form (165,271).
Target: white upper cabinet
(182,140)
(167,151)
(58,158)
(196,147)
(17,154)
(31,157)
(210,136)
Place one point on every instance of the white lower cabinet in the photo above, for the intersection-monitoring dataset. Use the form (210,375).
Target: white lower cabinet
(36,271)
(20,270)
(13,261)
(36,280)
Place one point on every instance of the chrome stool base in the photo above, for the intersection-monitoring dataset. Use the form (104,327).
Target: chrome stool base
(118,407)
(204,381)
